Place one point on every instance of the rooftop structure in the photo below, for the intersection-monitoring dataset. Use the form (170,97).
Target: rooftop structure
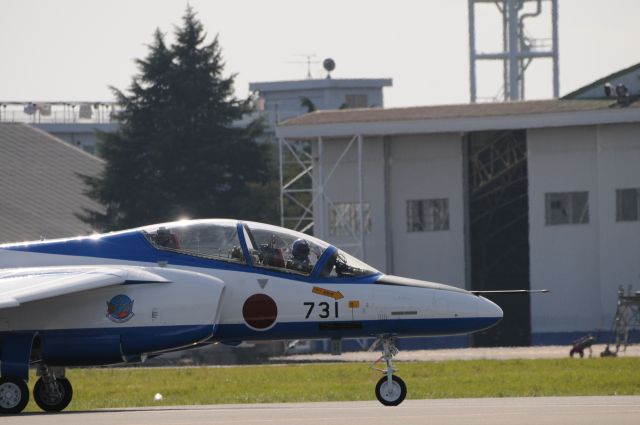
(463,117)
(281,100)
(41,192)
(605,87)
(75,122)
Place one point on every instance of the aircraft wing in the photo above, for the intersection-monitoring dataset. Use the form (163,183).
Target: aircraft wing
(22,285)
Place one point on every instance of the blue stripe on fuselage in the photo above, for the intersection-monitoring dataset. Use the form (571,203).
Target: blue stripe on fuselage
(107,345)
(355,329)
(131,246)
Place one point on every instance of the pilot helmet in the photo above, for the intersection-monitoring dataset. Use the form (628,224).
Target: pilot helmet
(163,235)
(300,249)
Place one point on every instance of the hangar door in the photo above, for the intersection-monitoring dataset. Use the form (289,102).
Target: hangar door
(498,236)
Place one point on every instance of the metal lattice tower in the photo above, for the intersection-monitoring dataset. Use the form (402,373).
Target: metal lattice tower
(627,316)
(519,49)
(304,203)
(296,185)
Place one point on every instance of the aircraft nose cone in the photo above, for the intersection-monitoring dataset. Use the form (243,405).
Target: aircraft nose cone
(489,310)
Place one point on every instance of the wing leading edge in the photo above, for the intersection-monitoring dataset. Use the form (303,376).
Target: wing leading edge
(18,286)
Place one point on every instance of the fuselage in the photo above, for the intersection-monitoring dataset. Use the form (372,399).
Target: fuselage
(227,288)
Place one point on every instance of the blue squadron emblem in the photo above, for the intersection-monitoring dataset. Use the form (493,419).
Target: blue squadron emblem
(120,308)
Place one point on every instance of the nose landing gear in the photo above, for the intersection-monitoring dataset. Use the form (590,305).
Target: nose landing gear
(390,390)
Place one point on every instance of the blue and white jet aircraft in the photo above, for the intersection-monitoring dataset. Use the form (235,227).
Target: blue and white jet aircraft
(129,295)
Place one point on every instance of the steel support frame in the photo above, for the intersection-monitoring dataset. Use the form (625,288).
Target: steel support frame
(627,317)
(495,161)
(518,50)
(497,157)
(304,178)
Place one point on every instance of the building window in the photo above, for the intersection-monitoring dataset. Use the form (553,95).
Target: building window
(356,101)
(427,215)
(344,219)
(567,208)
(628,204)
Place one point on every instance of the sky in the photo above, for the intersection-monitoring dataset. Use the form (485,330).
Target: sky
(73,50)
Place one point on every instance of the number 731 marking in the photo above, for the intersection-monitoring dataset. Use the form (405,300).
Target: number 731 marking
(324,309)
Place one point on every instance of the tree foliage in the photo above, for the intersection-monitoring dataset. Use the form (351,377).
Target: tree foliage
(178,152)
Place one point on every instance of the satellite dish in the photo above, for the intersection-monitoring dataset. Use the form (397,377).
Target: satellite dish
(329,65)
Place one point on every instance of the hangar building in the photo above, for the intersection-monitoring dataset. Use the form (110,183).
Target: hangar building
(515,195)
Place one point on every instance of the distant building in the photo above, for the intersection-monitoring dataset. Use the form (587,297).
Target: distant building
(74,122)
(40,190)
(77,122)
(80,135)
(514,195)
(281,100)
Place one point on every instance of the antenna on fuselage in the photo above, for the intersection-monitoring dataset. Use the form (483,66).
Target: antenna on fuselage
(511,291)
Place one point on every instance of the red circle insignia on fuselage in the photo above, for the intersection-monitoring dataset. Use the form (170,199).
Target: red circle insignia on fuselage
(260,311)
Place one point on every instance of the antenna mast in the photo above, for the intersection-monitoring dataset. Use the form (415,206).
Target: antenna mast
(308,60)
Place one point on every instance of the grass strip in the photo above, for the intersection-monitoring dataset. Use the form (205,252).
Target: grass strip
(135,387)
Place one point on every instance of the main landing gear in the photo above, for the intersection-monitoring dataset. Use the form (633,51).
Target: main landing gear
(14,394)
(52,391)
(390,390)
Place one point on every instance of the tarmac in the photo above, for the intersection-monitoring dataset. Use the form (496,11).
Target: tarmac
(619,410)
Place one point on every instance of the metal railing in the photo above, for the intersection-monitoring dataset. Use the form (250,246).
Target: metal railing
(58,112)
(75,112)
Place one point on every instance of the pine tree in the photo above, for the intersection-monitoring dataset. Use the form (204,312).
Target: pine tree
(177,152)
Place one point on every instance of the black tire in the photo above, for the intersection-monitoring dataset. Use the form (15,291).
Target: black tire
(391,396)
(53,404)
(14,395)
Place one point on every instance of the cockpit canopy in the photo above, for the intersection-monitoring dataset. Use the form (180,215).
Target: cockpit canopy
(258,245)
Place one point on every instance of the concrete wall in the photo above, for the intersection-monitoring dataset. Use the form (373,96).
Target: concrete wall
(342,187)
(428,167)
(618,167)
(582,264)
(421,167)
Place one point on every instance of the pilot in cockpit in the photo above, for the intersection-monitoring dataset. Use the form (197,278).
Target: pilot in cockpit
(166,239)
(299,260)
(270,254)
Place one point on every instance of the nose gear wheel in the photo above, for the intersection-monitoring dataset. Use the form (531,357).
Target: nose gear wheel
(390,389)
(391,394)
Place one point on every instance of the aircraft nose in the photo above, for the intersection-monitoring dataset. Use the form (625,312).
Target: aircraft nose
(489,309)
